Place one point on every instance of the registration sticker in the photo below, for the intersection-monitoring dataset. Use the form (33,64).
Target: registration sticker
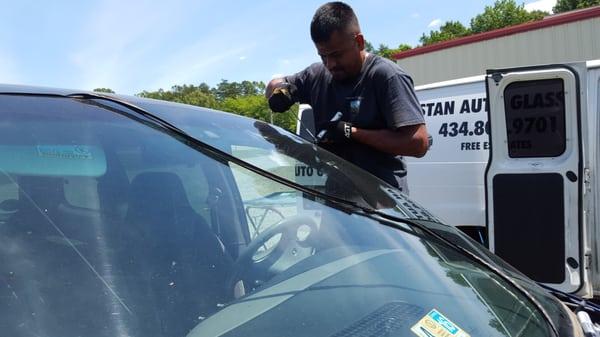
(434,324)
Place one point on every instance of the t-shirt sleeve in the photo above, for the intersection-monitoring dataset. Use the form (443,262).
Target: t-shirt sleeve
(302,81)
(399,102)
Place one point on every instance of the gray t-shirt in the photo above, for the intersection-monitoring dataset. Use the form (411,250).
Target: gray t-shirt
(381,97)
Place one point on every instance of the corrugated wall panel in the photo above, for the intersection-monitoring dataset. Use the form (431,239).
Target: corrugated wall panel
(575,41)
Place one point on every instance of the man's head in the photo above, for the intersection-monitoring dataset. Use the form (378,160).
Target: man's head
(335,31)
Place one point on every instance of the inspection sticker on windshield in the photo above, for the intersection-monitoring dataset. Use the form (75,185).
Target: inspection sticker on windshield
(434,324)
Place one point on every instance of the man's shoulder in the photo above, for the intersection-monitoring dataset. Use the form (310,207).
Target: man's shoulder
(316,69)
(385,68)
(308,75)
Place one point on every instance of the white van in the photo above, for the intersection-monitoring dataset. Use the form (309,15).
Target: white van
(521,161)
(532,201)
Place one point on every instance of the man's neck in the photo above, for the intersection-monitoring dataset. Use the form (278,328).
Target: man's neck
(363,58)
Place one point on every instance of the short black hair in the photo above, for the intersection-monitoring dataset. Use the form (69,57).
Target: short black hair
(331,17)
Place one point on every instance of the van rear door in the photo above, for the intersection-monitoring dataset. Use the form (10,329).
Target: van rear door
(534,175)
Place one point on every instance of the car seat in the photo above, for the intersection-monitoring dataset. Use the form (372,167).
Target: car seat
(181,263)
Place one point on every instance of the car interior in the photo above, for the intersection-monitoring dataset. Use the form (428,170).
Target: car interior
(147,233)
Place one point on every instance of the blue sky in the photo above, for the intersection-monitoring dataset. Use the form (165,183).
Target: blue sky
(135,45)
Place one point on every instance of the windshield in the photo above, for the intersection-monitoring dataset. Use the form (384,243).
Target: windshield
(284,154)
(109,227)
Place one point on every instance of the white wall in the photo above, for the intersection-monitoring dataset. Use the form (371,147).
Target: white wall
(571,42)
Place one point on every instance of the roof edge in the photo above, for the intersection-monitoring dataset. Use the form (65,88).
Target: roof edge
(553,20)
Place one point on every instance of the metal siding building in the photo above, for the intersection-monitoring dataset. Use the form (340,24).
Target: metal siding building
(567,37)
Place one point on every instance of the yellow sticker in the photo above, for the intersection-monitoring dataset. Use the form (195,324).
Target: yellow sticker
(434,324)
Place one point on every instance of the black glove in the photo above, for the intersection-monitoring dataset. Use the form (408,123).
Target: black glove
(283,97)
(338,131)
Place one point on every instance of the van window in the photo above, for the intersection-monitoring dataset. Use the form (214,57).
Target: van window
(535,118)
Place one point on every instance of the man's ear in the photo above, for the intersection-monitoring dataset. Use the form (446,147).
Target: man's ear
(360,41)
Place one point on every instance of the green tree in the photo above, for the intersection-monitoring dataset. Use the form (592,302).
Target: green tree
(387,52)
(569,5)
(448,31)
(287,120)
(105,90)
(188,94)
(226,89)
(243,98)
(257,107)
(502,14)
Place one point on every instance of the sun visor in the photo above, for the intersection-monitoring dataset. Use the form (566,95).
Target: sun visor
(53,160)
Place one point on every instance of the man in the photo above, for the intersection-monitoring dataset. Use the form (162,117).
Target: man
(381,116)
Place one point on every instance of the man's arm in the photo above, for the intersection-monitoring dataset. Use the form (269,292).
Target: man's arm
(406,133)
(411,140)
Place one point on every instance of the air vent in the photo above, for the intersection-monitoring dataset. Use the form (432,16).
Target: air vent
(411,208)
(384,321)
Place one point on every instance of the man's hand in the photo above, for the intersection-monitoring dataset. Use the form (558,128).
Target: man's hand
(338,131)
(282,96)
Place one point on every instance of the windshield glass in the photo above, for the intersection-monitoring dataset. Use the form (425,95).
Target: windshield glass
(284,154)
(109,227)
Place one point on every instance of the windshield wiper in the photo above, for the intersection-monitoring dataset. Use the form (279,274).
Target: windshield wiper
(578,302)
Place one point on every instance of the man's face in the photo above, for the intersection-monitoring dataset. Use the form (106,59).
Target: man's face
(342,54)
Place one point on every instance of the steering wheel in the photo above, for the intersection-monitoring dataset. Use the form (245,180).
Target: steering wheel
(253,267)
